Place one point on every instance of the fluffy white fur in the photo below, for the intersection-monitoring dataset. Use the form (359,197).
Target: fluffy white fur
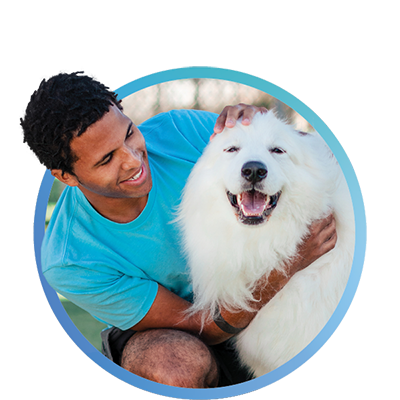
(226,257)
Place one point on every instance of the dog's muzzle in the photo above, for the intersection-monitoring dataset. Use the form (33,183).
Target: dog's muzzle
(253,207)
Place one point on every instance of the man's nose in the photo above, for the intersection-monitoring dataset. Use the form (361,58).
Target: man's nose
(131,158)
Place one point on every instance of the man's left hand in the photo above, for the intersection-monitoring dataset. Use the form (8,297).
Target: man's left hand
(230,115)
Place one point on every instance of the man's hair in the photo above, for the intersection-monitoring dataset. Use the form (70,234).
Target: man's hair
(62,108)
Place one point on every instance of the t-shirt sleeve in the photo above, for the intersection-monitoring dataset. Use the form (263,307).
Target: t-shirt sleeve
(180,132)
(195,125)
(115,299)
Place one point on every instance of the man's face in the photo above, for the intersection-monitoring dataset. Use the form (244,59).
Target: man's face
(112,158)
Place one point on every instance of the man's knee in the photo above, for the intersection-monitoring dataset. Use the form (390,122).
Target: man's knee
(170,357)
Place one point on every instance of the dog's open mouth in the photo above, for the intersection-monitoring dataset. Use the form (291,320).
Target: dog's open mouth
(253,207)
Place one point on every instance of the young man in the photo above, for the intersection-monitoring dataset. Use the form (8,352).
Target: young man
(110,246)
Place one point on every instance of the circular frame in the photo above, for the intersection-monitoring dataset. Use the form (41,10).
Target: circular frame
(337,316)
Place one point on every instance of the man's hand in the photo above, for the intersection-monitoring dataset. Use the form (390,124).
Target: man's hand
(230,115)
(320,240)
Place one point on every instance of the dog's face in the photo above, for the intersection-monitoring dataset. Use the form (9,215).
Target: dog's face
(257,165)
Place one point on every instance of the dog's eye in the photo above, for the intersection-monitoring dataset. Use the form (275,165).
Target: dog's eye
(277,150)
(232,149)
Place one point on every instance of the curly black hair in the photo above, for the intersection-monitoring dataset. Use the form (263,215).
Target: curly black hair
(62,108)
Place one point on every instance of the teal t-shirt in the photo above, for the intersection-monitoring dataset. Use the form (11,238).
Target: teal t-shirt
(109,269)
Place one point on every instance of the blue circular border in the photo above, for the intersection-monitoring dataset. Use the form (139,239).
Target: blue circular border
(323,336)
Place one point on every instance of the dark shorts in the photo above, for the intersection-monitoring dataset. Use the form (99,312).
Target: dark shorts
(230,370)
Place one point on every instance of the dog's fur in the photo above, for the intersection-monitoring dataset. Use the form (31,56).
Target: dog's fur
(229,252)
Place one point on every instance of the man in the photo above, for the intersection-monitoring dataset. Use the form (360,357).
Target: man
(110,246)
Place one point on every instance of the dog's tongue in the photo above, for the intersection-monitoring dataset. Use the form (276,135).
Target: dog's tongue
(252,202)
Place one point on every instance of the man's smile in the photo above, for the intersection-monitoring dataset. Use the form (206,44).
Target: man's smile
(138,177)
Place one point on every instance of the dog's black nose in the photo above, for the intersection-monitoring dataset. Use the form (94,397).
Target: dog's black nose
(254,171)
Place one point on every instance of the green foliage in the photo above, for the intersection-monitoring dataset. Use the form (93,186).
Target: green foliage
(86,324)
(56,190)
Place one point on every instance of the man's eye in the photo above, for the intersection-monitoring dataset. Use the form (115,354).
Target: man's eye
(277,150)
(107,159)
(232,149)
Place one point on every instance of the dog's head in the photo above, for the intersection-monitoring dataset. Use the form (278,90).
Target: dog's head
(259,165)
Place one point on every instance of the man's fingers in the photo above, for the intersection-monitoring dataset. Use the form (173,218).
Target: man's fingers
(321,224)
(247,115)
(330,219)
(230,115)
(329,244)
(321,239)
(328,223)
(220,123)
(331,227)
(233,114)
(326,233)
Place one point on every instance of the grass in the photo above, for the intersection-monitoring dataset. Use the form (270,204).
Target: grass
(86,324)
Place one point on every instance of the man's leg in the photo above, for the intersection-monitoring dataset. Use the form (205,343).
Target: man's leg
(170,357)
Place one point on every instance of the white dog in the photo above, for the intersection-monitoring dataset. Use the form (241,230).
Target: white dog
(246,207)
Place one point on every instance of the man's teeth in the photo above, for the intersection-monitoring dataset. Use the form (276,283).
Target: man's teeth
(136,176)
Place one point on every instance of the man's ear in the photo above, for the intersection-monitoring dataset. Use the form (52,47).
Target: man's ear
(66,177)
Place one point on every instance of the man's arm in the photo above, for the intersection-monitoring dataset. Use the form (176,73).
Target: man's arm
(168,309)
